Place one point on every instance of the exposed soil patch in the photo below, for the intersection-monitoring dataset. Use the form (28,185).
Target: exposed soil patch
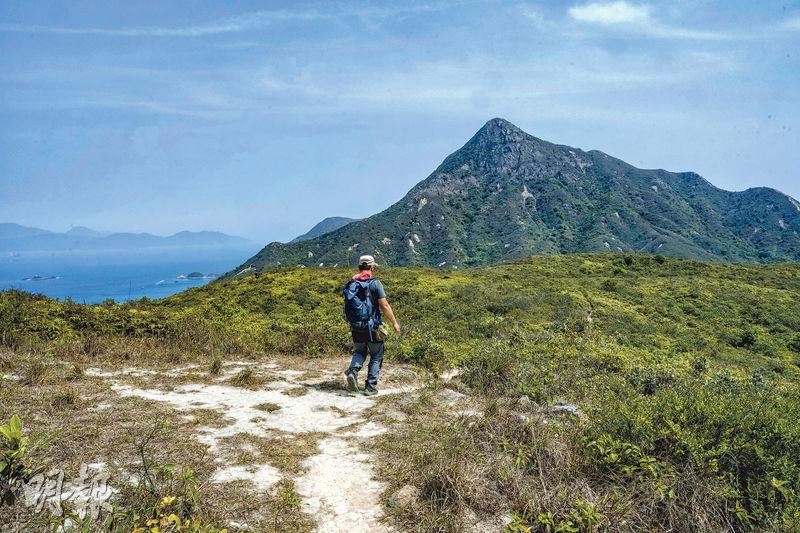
(263,425)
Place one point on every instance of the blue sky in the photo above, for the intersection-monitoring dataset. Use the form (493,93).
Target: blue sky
(261,118)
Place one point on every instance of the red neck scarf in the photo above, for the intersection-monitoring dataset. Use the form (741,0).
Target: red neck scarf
(364,275)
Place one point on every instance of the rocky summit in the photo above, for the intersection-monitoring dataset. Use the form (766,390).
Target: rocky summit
(507,194)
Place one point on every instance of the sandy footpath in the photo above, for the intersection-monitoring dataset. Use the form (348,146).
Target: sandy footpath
(337,485)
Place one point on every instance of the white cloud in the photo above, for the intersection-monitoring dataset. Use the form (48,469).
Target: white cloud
(233,24)
(636,19)
(342,86)
(239,23)
(610,13)
(532,14)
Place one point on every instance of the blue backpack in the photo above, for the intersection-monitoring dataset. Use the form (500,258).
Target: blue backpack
(358,305)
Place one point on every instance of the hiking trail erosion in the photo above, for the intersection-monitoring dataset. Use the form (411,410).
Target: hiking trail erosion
(336,481)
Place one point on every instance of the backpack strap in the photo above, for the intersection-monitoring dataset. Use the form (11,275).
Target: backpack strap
(371,321)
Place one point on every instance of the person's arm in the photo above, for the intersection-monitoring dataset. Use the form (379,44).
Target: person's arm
(386,309)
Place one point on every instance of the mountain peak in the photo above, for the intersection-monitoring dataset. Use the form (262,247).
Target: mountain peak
(499,131)
(499,127)
(506,194)
(83,231)
(499,122)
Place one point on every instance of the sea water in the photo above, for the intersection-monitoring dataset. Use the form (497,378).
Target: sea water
(92,277)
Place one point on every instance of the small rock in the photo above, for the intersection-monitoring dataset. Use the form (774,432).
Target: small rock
(403,373)
(566,409)
(404,497)
(470,520)
(450,397)
(450,374)
(406,400)
(494,523)
(394,414)
(524,403)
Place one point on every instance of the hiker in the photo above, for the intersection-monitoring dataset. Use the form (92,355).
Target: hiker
(364,300)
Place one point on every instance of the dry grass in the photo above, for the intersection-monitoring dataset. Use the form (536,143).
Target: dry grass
(296,391)
(247,378)
(206,418)
(216,366)
(64,398)
(268,407)
(72,417)
(284,451)
(36,372)
(506,462)
(457,466)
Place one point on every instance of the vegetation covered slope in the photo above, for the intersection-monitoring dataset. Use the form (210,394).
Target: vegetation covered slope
(687,373)
(506,194)
(656,309)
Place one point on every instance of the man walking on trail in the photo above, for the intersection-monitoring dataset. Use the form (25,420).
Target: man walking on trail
(364,300)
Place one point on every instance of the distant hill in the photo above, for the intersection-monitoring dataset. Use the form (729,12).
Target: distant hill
(506,194)
(9,230)
(16,238)
(325,226)
(83,231)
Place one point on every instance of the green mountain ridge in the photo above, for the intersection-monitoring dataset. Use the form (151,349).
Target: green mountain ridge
(507,194)
(324,226)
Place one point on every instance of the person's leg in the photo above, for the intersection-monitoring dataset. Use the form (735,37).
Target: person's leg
(375,363)
(359,356)
(357,361)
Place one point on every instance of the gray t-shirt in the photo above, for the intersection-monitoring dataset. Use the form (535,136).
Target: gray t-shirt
(377,292)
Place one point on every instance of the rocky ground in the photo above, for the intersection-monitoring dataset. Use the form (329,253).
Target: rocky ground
(261,425)
(337,484)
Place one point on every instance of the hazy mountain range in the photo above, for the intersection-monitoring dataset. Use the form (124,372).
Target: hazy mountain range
(506,194)
(15,238)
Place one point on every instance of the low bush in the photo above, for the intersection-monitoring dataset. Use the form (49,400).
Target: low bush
(422,350)
(730,435)
(13,467)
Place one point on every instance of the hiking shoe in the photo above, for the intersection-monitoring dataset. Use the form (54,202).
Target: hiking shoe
(352,382)
(369,391)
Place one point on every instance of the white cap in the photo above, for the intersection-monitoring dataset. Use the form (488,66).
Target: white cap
(367,260)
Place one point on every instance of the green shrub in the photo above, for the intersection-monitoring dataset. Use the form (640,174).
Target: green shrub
(492,368)
(699,364)
(740,437)
(422,350)
(648,380)
(745,339)
(64,398)
(609,285)
(794,345)
(13,469)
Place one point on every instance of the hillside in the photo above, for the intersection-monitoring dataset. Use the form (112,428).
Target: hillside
(506,194)
(598,392)
(10,230)
(326,225)
(658,308)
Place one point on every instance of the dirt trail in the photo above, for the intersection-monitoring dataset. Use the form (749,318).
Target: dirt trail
(337,485)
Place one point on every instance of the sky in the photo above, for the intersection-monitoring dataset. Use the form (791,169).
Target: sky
(261,118)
